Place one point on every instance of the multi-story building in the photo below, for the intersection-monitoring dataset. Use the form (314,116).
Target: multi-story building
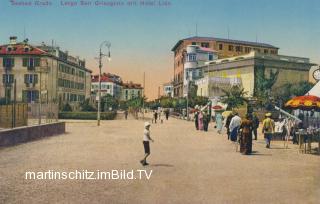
(168,89)
(110,84)
(248,71)
(196,56)
(131,90)
(42,72)
(224,47)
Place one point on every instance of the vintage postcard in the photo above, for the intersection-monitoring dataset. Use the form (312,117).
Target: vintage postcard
(160,101)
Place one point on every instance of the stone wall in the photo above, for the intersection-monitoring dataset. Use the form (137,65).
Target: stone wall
(18,135)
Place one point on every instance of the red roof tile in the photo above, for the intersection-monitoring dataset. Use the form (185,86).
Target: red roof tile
(19,49)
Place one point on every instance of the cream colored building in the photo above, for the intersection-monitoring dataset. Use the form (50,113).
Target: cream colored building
(42,71)
(243,71)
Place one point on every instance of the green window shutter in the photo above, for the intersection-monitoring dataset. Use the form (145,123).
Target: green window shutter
(26,78)
(11,78)
(35,78)
(12,62)
(25,96)
(25,62)
(37,62)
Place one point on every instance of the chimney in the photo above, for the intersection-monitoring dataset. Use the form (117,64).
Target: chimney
(13,40)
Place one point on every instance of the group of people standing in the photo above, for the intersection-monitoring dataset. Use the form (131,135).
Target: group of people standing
(242,130)
(201,118)
(157,115)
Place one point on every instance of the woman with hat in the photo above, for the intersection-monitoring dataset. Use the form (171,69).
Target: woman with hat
(268,128)
(246,135)
(146,143)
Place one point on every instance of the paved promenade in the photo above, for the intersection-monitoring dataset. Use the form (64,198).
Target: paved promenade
(188,166)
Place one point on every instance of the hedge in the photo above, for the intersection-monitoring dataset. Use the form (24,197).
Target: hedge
(87,115)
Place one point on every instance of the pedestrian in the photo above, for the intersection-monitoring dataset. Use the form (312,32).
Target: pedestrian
(200,120)
(205,120)
(126,114)
(196,117)
(246,128)
(228,121)
(146,143)
(255,122)
(167,114)
(155,116)
(219,120)
(268,129)
(234,127)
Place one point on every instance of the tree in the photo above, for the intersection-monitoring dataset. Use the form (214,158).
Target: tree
(86,106)
(234,97)
(289,90)
(109,101)
(263,84)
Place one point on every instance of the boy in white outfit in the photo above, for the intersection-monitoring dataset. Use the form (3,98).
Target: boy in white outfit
(146,143)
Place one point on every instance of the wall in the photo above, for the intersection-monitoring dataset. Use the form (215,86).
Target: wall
(6,115)
(15,136)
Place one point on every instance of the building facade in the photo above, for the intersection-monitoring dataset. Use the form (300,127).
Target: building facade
(196,56)
(168,89)
(42,73)
(224,47)
(131,91)
(246,71)
(110,84)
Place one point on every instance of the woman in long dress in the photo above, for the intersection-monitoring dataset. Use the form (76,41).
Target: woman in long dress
(246,135)
(219,119)
(200,120)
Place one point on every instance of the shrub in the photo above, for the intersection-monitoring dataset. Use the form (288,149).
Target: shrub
(87,115)
(67,108)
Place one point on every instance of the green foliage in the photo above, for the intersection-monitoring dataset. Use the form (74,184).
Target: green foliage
(263,85)
(66,108)
(198,100)
(123,105)
(287,91)
(87,115)
(234,97)
(86,106)
(109,101)
(136,103)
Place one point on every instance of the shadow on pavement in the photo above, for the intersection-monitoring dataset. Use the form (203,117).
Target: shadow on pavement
(163,165)
(256,153)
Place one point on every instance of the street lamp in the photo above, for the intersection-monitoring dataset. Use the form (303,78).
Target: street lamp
(108,45)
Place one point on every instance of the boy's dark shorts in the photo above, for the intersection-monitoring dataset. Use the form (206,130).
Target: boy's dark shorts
(146,146)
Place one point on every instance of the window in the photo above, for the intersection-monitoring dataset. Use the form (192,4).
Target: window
(210,57)
(192,57)
(273,52)
(30,95)
(230,47)
(220,46)
(205,44)
(265,51)
(247,49)
(31,63)
(239,48)
(194,43)
(7,78)
(8,62)
(30,78)
(256,49)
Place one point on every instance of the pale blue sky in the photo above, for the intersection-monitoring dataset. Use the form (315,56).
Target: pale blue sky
(142,37)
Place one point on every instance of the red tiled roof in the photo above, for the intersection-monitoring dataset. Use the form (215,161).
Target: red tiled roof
(19,49)
(95,78)
(132,86)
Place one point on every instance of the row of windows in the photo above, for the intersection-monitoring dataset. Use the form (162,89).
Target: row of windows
(70,84)
(72,97)
(26,62)
(30,96)
(69,70)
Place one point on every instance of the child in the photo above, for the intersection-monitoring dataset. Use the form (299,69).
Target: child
(146,145)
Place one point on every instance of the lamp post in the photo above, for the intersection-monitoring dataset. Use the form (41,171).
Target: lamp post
(108,45)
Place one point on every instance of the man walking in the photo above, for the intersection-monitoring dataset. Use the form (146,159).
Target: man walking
(126,114)
(234,127)
(268,128)
(155,115)
(146,143)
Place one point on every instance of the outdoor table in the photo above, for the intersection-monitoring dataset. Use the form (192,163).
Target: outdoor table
(305,140)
